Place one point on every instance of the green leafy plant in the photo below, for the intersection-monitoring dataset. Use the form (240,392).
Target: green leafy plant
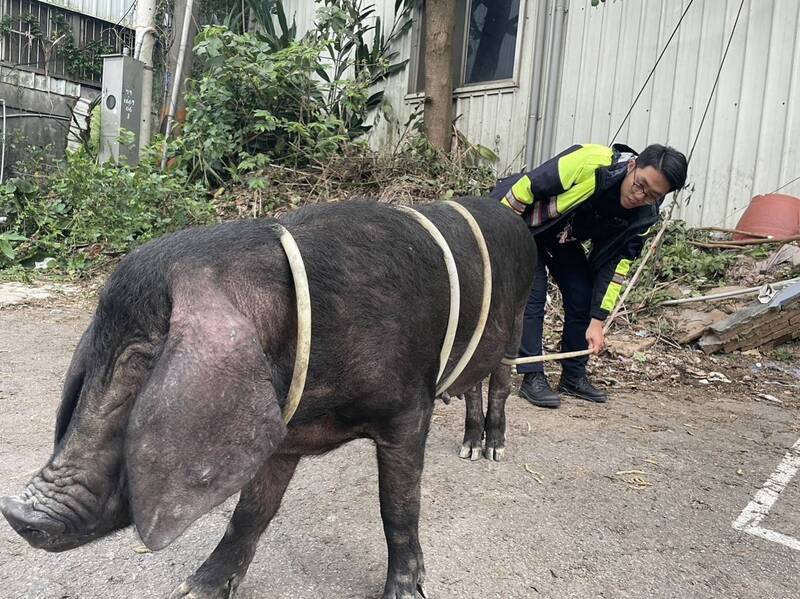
(82,210)
(680,261)
(82,62)
(297,102)
(252,100)
(351,65)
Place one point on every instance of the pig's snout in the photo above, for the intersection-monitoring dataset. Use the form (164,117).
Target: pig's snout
(34,526)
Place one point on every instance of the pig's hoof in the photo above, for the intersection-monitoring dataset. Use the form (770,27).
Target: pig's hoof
(420,593)
(495,454)
(470,451)
(405,592)
(192,588)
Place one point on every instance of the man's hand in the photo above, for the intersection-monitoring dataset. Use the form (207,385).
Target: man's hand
(595,336)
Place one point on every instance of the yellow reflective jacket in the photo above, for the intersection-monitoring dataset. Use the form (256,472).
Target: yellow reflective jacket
(553,191)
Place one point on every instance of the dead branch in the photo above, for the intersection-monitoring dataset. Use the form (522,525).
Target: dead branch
(734,232)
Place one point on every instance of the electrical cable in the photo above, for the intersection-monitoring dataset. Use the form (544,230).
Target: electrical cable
(716,81)
(785,185)
(127,12)
(652,71)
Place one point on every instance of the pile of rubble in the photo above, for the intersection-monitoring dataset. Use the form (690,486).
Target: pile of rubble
(762,324)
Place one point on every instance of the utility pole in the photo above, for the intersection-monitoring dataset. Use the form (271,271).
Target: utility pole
(145,25)
(177,82)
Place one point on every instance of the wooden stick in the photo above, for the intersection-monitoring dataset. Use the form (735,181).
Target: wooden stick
(726,294)
(547,357)
(650,251)
(738,242)
(735,232)
(721,245)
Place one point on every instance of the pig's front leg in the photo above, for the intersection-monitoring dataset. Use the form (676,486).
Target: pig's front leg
(400,460)
(221,573)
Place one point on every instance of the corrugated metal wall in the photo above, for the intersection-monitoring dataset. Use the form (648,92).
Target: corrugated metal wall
(107,10)
(750,141)
(19,46)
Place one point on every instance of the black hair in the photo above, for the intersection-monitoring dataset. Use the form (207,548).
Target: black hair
(669,161)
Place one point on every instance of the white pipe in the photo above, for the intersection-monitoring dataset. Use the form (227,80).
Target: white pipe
(727,294)
(173,102)
(547,357)
(3,154)
(143,51)
(554,77)
(536,84)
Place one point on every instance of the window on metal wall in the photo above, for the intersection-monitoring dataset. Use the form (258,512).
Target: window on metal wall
(491,40)
(484,45)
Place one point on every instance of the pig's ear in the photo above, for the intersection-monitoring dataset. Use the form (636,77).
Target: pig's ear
(204,422)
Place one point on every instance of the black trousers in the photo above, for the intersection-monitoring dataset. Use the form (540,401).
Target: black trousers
(568,264)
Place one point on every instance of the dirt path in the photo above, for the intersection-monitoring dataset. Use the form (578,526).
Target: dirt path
(555,520)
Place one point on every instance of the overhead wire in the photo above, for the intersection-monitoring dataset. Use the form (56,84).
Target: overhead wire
(654,246)
(652,71)
(716,81)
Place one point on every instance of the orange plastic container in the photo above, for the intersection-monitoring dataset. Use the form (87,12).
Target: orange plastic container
(776,214)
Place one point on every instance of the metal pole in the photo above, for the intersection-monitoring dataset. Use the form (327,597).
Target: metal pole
(553,78)
(176,83)
(145,40)
(3,155)
(536,84)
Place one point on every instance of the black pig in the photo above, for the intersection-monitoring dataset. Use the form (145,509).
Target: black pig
(172,402)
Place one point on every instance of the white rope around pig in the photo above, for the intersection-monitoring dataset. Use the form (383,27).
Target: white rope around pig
(303,348)
(486,298)
(455,289)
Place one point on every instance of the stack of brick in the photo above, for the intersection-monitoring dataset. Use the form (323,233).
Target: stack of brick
(758,325)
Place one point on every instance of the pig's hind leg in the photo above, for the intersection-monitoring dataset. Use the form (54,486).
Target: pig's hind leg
(401,452)
(495,424)
(473,424)
(499,390)
(221,573)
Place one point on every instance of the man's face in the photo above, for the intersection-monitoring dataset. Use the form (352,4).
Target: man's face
(642,186)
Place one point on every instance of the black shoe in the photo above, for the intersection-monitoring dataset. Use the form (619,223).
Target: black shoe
(582,389)
(536,390)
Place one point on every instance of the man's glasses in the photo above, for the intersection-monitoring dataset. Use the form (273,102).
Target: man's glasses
(642,191)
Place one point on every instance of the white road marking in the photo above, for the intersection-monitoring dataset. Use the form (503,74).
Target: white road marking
(749,520)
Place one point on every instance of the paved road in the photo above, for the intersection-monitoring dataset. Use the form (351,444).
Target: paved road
(555,520)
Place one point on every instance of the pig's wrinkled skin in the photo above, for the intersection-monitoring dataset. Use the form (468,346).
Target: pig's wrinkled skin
(172,402)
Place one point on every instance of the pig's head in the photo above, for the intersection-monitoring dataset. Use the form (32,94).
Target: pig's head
(168,408)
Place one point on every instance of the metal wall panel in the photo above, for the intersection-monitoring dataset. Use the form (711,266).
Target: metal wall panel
(107,10)
(303,13)
(750,141)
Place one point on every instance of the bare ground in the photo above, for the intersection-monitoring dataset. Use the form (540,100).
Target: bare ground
(563,516)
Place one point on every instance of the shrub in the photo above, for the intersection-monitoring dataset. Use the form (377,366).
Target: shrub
(83,209)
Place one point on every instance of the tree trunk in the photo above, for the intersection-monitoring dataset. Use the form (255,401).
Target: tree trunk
(440,18)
